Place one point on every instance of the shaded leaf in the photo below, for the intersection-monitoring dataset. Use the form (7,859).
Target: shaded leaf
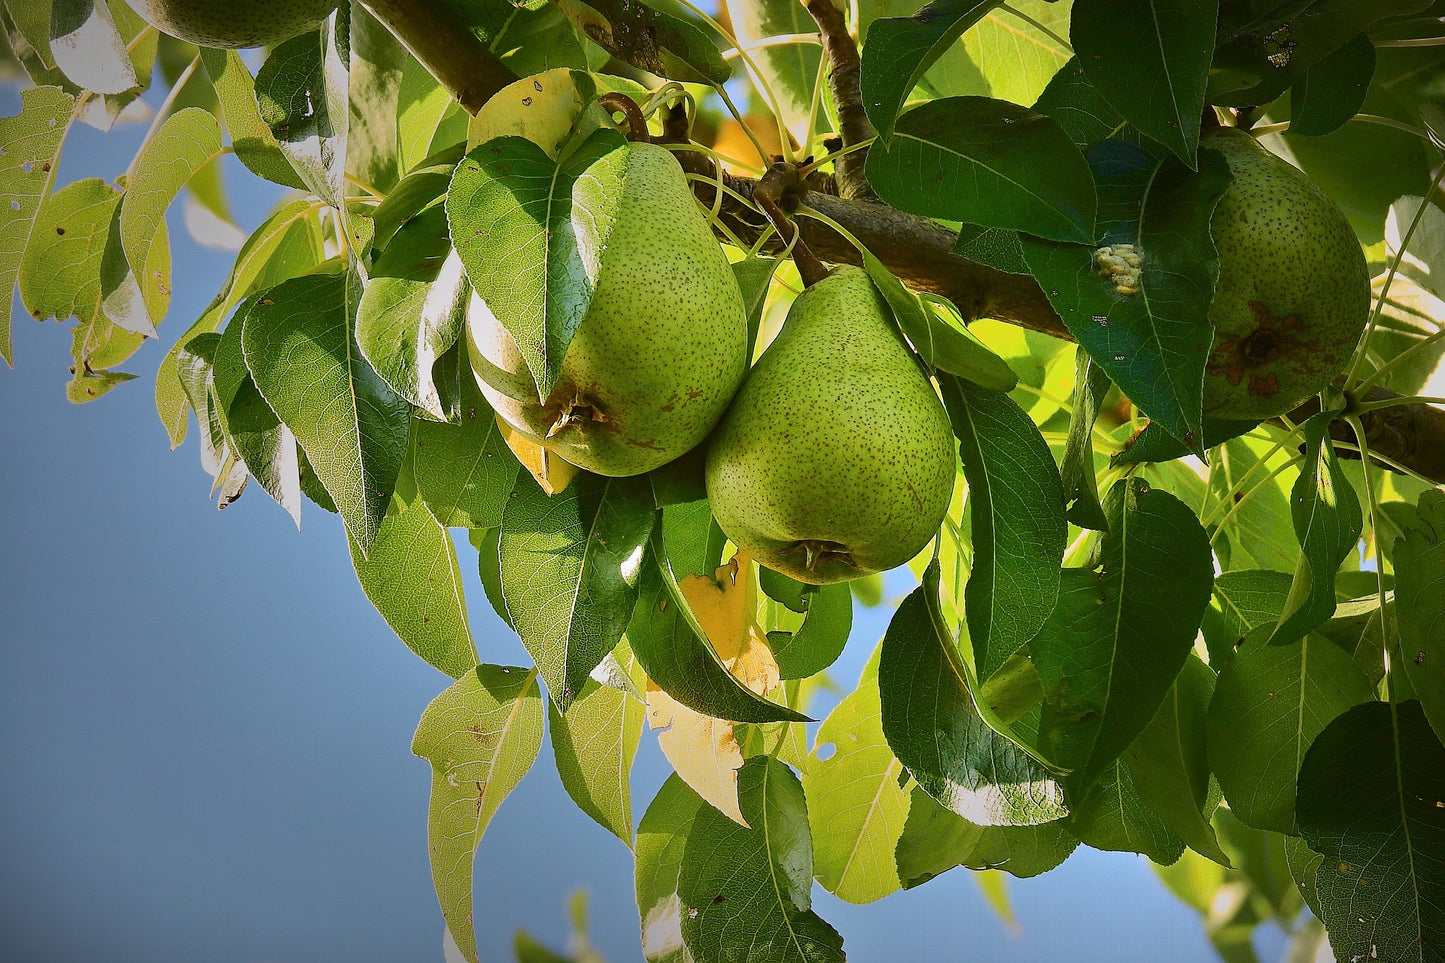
(255,145)
(481,736)
(1150,60)
(1016,510)
(935,840)
(1327,522)
(1369,803)
(594,745)
(1113,817)
(746,892)
(1333,90)
(412,577)
(1419,560)
(661,839)
(987,162)
(658,42)
(570,568)
(300,351)
(1139,302)
(898,51)
(301,95)
(1081,487)
(1243,600)
(1118,637)
(817,643)
(464,471)
(937,733)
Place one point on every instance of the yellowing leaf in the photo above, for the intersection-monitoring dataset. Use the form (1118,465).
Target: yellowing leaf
(703,750)
(551,472)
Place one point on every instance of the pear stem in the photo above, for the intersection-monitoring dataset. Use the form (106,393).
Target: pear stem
(781,181)
(636,121)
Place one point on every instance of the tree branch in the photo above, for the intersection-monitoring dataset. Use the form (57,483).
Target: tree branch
(845,74)
(918,251)
(441,42)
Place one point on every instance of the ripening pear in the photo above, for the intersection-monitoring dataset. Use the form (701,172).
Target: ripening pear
(234,23)
(660,351)
(836,459)
(1293,292)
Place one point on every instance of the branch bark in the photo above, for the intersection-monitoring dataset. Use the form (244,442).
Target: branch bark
(441,42)
(845,74)
(918,251)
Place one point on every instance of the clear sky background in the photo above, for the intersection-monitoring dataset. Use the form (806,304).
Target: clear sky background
(205,727)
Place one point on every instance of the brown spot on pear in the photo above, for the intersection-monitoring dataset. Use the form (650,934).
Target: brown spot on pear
(660,351)
(1293,292)
(234,23)
(836,459)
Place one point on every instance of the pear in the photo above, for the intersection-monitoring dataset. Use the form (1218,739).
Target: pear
(660,351)
(836,459)
(1293,291)
(234,23)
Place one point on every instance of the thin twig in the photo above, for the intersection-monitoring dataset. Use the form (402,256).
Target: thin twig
(845,73)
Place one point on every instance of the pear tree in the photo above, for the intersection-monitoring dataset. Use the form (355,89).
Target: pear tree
(1115,326)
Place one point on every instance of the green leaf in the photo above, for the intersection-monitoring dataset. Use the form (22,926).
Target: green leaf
(1112,648)
(88,48)
(754,276)
(530,233)
(939,344)
(31,142)
(195,366)
(935,840)
(301,95)
(898,51)
(529,39)
(934,727)
(1419,560)
(1016,510)
(1113,817)
(32,21)
(657,42)
(187,141)
(255,145)
(1255,531)
(284,246)
(300,351)
(480,736)
(987,162)
(464,471)
(1269,705)
(260,440)
(1368,802)
(673,649)
(789,69)
(594,744)
(570,566)
(412,577)
(817,643)
(661,839)
(1073,100)
(745,893)
(1081,487)
(1139,303)
(1155,444)
(1327,522)
(855,793)
(1333,90)
(1150,60)
(1170,765)
(60,273)
(414,309)
(135,298)
(1243,601)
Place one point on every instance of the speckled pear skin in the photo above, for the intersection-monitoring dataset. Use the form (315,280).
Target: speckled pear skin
(1293,292)
(836,450)
(234,23)
(658,355)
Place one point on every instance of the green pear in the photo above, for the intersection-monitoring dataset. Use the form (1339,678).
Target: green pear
(1293,292)
(660,351)
(836,459)
(234,23)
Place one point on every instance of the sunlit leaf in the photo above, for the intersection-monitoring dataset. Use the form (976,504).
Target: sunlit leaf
(594,745)
(935,840)
(480,736)
(661,838)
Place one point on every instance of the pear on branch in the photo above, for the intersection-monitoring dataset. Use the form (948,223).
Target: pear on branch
(836,459)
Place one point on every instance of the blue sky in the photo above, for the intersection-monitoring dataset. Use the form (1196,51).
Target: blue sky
(205,727)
